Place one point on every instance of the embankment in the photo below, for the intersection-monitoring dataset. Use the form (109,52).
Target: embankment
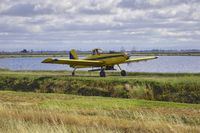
(150,86)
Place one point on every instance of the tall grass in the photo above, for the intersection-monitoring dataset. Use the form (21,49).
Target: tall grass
(32,112)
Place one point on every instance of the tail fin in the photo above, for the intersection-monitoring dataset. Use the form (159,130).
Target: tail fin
(73,55)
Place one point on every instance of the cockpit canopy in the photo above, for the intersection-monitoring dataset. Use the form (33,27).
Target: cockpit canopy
(97,51)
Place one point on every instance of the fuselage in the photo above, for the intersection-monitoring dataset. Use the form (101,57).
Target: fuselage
(107,59)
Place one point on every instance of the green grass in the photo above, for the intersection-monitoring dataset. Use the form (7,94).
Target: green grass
(44,112)
(150,86)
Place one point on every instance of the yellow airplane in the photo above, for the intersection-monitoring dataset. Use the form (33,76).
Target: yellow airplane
(105,61)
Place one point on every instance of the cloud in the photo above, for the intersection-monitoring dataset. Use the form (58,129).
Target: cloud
(26,9)
(128,23)
(153,4)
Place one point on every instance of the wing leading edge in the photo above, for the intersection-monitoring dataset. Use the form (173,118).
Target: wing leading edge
(141,59)
(73,62)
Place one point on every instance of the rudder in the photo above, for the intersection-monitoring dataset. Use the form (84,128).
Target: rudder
(72,54)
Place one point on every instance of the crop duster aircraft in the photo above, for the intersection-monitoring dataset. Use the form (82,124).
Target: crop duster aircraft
(104,61)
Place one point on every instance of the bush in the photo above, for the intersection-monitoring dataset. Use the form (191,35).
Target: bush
(141,92)
(119,91)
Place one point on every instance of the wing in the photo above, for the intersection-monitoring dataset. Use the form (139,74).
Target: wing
(73,62)
(141,59)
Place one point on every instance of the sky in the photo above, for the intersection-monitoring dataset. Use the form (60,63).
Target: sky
(106,24)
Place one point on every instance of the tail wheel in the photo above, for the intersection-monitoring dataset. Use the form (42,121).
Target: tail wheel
(123,73)
(102,73)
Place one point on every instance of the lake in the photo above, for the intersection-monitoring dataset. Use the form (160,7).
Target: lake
(177,64)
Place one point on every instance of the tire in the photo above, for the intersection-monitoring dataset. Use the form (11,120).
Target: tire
(123,73)
(73,73)
(102,73)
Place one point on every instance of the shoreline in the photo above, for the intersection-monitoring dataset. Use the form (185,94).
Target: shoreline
(66,55)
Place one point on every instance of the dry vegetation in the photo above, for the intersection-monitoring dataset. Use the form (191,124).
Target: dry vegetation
(39,112)
(49,112)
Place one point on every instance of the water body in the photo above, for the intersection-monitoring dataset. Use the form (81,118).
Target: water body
(176,64)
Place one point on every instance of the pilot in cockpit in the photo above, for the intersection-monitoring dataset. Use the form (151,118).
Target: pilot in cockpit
(96,52)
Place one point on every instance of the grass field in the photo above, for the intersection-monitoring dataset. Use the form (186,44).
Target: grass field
(47,113)
(31,101)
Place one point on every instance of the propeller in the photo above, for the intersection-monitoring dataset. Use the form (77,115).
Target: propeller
(127,55)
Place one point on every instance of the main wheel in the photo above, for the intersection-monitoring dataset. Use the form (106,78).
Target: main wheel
(73,73)
(123,73)
(102,73)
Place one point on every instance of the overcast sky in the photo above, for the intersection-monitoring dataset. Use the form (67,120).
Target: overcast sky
(107,24)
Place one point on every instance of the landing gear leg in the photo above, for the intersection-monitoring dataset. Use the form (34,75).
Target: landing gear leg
(102,73)
(123,72)
(73,72)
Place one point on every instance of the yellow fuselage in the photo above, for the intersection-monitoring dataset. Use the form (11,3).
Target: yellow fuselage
(107,59)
